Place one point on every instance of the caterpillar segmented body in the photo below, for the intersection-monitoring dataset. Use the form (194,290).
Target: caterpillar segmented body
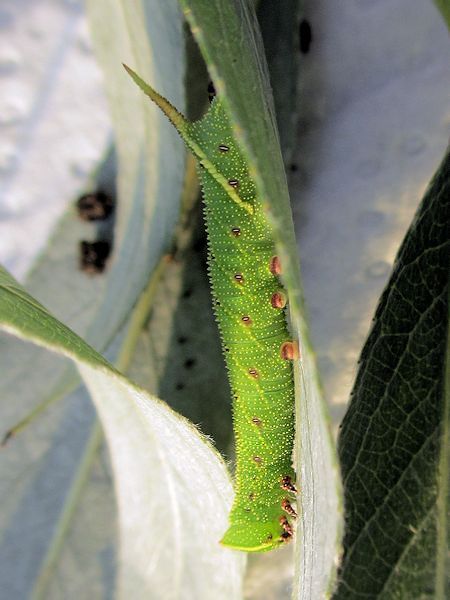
(249,305)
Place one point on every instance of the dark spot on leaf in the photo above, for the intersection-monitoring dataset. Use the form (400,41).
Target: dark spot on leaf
(189,363)
(305,36)
(96,206)
(93,256)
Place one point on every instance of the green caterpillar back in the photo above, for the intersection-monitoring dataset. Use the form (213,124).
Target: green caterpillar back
(249,304)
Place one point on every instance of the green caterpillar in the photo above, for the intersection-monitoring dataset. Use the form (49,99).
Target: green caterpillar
(249,305)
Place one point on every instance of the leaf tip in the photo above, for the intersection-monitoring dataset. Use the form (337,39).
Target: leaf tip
(128,69)
(8,435)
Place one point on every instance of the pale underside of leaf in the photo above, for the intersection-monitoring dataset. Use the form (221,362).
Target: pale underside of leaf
(173,489)
(148,204)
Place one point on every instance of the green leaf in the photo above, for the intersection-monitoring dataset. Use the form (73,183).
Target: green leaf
(394,439)
(444,7)
(279,23)
(230,43)
(172,487)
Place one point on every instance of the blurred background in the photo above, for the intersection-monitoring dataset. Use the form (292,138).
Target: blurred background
(371,100)
(374,114)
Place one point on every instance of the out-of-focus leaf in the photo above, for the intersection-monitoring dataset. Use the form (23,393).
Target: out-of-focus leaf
(270,576)
(39,467)
(148,194)
(394,442)
(444,7)
(279,21)
(54,122)
(230,43)
(172,487)
(371,134)
(178,354)
(38,470)
(150,156)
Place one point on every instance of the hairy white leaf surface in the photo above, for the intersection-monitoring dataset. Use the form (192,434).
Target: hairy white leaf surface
(173,489)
